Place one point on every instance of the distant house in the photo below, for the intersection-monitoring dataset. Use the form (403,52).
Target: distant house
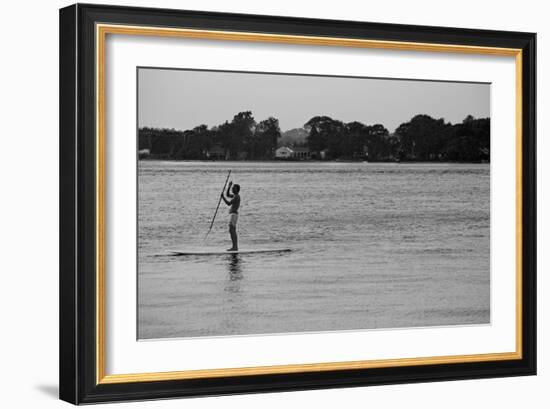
(216,152)
(285,152)
(144,153)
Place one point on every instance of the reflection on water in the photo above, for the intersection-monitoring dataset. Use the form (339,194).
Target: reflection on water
(386,245)
(234,266)
(235,270)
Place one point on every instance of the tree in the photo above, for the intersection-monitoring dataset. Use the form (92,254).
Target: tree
(222,136)
(194,143)
(161,142)
(356,141)
(470,140)
(423,137)
(337,139)
(264,141)
(378,143)
(325,133)
(318,135)
(240,132)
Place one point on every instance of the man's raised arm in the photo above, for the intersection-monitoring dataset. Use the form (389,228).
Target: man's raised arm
(229,194)
(227,202)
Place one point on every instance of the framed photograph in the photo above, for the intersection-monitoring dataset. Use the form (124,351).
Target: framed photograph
(257,203)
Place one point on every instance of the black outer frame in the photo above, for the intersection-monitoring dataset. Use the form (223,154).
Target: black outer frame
(78,211)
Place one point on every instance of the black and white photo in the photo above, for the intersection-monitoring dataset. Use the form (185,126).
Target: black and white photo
(276,203)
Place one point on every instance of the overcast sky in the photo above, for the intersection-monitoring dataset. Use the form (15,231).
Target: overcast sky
(183,99)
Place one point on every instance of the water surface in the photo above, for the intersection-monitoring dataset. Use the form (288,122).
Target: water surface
(374,246)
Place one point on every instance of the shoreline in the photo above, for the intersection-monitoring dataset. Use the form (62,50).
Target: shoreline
(310,161)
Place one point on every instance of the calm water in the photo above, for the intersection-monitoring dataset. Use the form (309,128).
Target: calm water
(374,246)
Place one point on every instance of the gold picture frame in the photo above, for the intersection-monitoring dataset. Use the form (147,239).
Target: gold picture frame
(98,20)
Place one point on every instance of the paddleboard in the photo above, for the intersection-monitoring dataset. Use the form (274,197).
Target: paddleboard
(221,252)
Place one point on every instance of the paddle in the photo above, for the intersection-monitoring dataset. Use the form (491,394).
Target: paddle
(217,207)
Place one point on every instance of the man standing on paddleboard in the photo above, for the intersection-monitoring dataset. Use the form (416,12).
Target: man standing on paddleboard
(234,202)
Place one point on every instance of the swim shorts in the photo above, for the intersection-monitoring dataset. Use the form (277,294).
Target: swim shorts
(233,217)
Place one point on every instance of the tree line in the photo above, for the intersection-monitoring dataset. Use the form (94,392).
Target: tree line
(423,138)
(242,138)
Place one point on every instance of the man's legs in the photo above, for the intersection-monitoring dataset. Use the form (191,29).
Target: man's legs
(233,234)
(233,231)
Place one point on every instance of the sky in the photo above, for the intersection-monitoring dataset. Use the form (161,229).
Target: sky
(184,99)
